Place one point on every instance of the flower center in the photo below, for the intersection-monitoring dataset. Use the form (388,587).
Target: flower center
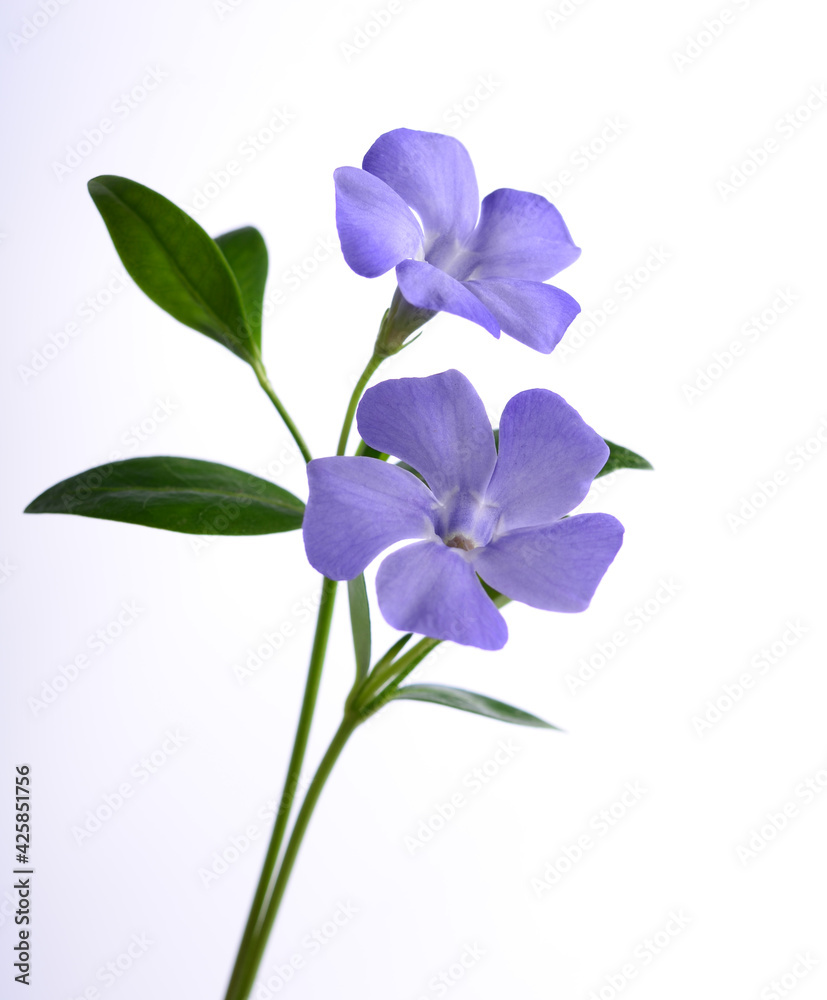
(450,256)
(460,542)
(464,520)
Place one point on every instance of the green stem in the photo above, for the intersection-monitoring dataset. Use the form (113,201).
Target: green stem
(388,657)
(254,939)
(264,382)
(364,378)
(393,671)
(378,687)
(275,875)
(256,952)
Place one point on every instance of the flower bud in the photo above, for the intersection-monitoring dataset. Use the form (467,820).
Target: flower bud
(398,323)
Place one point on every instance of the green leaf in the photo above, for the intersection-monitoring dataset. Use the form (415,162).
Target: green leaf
(621,458)
(246,253)
(468,701)
(412,470)
(366,451)
(178,494)
(174,262)
(360,622)
(396,648)
(493,594)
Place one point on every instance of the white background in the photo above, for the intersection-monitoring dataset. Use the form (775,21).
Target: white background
(666,108)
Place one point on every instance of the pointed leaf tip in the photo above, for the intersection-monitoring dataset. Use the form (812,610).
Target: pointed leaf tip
(174,262)
(360,623)
(622,458)
(177,494)
(469,701)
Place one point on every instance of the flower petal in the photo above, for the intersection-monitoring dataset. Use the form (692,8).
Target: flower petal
(433,174)
(520,235)
(358,507)
(376,228)
(437,425)
(432,590)
(548,457)
(426,287)
(535,314)
(555,568)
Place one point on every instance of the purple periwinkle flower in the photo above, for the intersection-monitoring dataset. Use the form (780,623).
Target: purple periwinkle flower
(479,513)
(490,270)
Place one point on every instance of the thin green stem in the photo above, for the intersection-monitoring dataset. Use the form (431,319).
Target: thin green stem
(264,382)
(255,936)
(375,360)
(276,873)
(256,952)
(379,686)
(387,657)
(388,671)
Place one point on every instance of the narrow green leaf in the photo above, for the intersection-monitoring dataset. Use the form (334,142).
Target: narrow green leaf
(468,701)
(495,595)
(246,253)
(174,262)
(360,622)
(621,458)
(412,470)
(366,451)
(414,655)
(396,648)
(178,494)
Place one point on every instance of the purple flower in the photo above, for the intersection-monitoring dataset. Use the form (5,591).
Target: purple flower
(479,513)
(490,271)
